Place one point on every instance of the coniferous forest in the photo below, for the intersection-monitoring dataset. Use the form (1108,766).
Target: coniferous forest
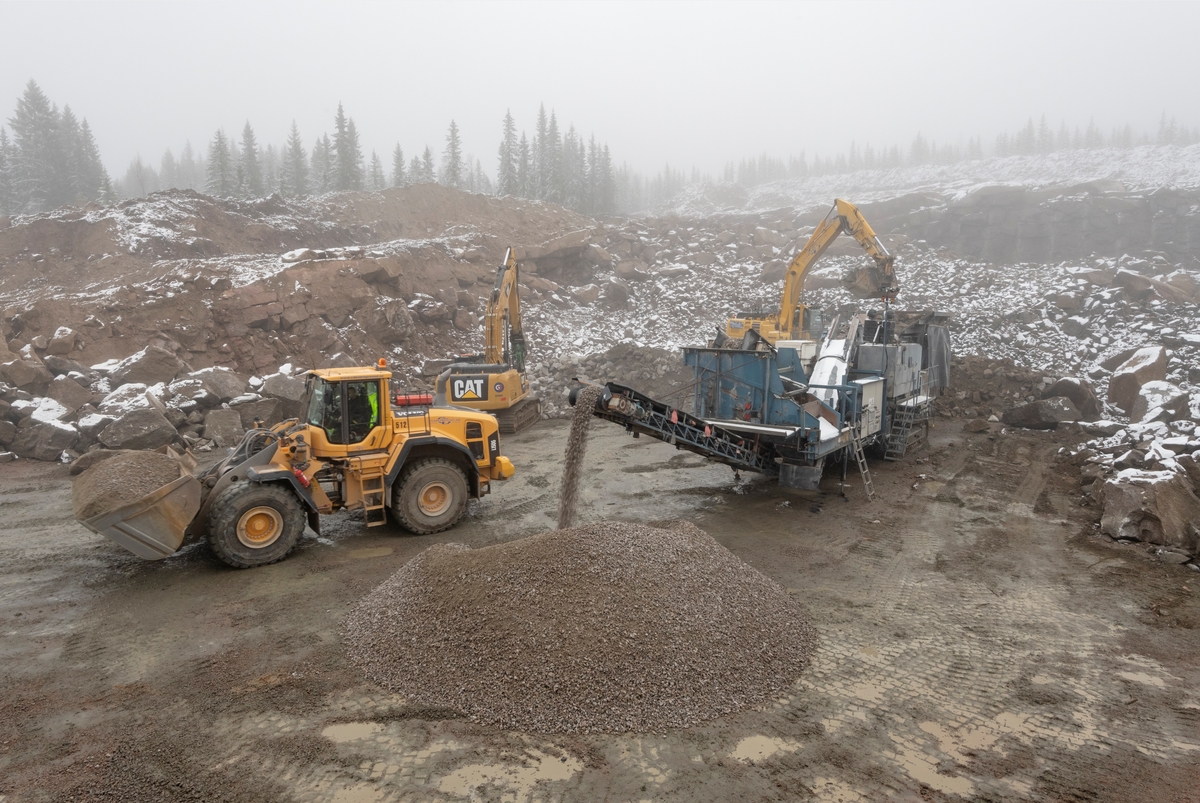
(49,158)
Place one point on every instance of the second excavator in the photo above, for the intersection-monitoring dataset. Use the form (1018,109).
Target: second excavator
(794,320)
(495,381)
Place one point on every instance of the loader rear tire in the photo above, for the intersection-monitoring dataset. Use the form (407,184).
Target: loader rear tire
(254,524)
(431,496)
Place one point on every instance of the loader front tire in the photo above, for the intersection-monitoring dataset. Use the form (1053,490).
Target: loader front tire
(431,496)
(253,524)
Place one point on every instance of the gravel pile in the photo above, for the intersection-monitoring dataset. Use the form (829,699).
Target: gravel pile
(581,422)
(120,480)
(610,627)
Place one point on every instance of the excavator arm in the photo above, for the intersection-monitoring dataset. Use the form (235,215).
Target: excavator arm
(878,282)
(504,340)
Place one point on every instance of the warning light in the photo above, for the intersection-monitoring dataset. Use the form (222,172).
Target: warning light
(382,364)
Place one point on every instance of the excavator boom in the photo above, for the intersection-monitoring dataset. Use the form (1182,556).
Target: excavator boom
(874,281)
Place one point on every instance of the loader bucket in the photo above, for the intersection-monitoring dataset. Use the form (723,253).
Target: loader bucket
(152,527)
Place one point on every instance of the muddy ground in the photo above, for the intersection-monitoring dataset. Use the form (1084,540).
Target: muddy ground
(978,642)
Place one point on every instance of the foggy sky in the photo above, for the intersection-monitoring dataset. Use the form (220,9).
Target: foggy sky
(691,84)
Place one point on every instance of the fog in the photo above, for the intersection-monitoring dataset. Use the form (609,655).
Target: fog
(692,84)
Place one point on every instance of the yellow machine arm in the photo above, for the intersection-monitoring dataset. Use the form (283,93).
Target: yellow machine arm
(504,341)
(844,216)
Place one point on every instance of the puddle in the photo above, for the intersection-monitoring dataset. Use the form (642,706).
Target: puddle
(362,793)
(351,731)
(516,782)
(371,552)
(757,748)
(923,770)
(870,652)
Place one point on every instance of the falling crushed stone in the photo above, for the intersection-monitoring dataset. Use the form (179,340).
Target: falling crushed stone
(581,423)
(609,627)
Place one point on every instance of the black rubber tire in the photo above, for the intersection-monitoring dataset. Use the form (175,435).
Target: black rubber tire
(233,503)
(418,476)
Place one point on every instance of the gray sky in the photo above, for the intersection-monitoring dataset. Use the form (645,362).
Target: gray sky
(689,83)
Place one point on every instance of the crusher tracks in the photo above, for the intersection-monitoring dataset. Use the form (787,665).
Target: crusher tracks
(521,415)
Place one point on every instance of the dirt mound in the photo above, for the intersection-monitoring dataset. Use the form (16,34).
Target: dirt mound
(119,481)
(611,627)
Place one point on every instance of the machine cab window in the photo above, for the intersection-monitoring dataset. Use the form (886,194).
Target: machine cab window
(346,411)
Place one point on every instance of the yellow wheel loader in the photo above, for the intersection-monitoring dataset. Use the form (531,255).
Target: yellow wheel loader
(355,448)
(495,381)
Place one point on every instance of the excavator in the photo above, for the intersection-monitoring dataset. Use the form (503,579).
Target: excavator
(495,381)
(354,448)
(795,321)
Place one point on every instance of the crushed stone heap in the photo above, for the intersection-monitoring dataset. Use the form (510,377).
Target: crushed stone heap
(609,627)
(120,480)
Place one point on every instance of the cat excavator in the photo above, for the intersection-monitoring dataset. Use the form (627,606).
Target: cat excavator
(495,381)
(794,320)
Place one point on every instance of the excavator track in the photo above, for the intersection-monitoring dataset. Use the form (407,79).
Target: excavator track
(521,415)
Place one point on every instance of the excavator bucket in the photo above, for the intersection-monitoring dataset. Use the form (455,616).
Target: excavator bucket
(152,527)
(867,281)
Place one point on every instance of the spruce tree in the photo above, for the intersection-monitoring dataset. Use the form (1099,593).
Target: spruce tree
(37,158)
(452,161)
(551,167)
(251,184)
(168,170)
(506,176)
(414,171)
(270,165)
(70,172)
(7,201)
(189,169)
(378,182)
(221,181)
(607,184)
(347,153)
(525,177)
(399,177)
(323,167)
(539,156)
(428,173)
(293,171)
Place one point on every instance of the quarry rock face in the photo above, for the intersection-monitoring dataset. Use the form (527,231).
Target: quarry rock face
(1146,365)
(1155,507)
(141,428)
(1043,414)
(221,383)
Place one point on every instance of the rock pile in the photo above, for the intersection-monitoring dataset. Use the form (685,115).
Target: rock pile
(605,628)
(119,481)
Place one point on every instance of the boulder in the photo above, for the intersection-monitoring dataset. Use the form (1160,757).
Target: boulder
(224,427)
(1044,414)
(977,425)
(615,294)
(90,426)
(43,440)
(588,294)
(63,341)
(61,365)
(1190,463)
(222,383)
(265,409)
(142,428)
(26,374)
(1159,395)
(597,255)
(632,270)
(69,393)
(8,431)
(773,271)
(1146,365)
(149,366)
(1157,507)
(124,398)
(289,390)
(1080,392)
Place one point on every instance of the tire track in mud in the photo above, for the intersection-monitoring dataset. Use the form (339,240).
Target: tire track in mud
(931,684)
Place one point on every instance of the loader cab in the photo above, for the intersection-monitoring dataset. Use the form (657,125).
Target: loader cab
(346,411)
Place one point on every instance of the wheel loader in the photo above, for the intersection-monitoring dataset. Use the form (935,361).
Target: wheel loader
(355,447)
